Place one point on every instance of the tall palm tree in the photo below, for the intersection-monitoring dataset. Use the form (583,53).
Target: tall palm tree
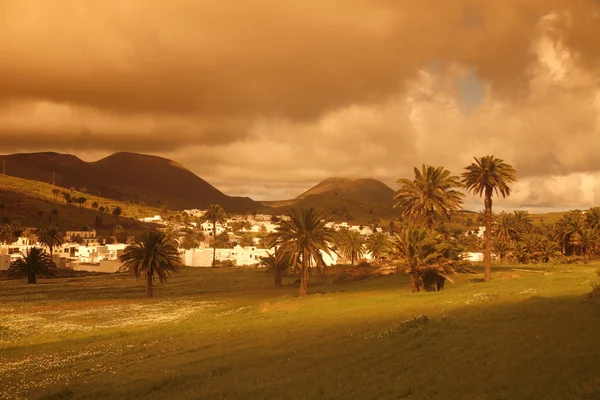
(378,244)
(95,205)
(304,238)
(215,213)
(151,253)
(486,176)
(50,236)
(34,262)
(431,193)
(351,244)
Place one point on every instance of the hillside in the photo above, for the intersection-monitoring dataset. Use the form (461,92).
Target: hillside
(346,199)
(138,178)
(31,203)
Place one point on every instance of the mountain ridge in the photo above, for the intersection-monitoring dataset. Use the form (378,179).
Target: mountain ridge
(127,176)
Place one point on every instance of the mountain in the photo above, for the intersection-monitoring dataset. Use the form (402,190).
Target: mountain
(346,199)
(127,176)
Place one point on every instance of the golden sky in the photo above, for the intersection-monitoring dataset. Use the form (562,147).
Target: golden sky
(266,98)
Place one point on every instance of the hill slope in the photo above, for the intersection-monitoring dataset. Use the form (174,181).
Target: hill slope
(127,176)
(31,203)
(346,199)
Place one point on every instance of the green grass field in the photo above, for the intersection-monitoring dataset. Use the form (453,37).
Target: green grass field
(229,334)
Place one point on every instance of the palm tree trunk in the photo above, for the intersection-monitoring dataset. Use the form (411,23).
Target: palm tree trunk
(31,278)
(487,236)
(303,277)
(149,293)
(352,258)
(415,285)
(214,263)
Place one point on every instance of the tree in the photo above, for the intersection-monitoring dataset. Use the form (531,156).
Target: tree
(502,250)
(587,241)
(431,193)
(378,244)
(505,229)
(101,209)
(53,215)
(50,236)
(116,212)
(151,253)
(522,222)
(568,225)
(592,218)
(95,205)
(55,192)
(351,244)
(191,239)
(303,238)
(119,234)
(417,250)
(34,262)
(10,232)
(276,264)
(67,197)
(214,213)
(486,176)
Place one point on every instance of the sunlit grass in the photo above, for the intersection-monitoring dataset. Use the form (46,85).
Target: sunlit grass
(229,334)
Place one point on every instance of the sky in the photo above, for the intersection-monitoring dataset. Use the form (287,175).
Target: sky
(267,98)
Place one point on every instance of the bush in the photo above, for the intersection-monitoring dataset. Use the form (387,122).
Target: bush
(225,263)
(569,260)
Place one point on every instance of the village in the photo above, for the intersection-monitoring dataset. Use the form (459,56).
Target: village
(240,243)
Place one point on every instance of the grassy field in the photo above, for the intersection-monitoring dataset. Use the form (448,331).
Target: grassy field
(228,334)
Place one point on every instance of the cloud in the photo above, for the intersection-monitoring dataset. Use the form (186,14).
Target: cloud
(269,97)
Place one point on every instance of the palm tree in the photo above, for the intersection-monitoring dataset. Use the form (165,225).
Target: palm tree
(116,212)
(351,244)
(214,213)
(10,232)
(417,250)
(548,250)
(502,250)
(95,205)
(35,261)
(276,263)
(101,209)
(486,176)
(522,222)
(53,215)
(431,193)
(55,192)
(50,236)
(303,238)
(151,253)
(505,228)
(378,244)
(587,241)
(568,225)
(592,218)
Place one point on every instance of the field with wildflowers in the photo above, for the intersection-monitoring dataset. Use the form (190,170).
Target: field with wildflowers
(229,334)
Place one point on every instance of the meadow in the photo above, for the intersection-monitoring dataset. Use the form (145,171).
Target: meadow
(230,334)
